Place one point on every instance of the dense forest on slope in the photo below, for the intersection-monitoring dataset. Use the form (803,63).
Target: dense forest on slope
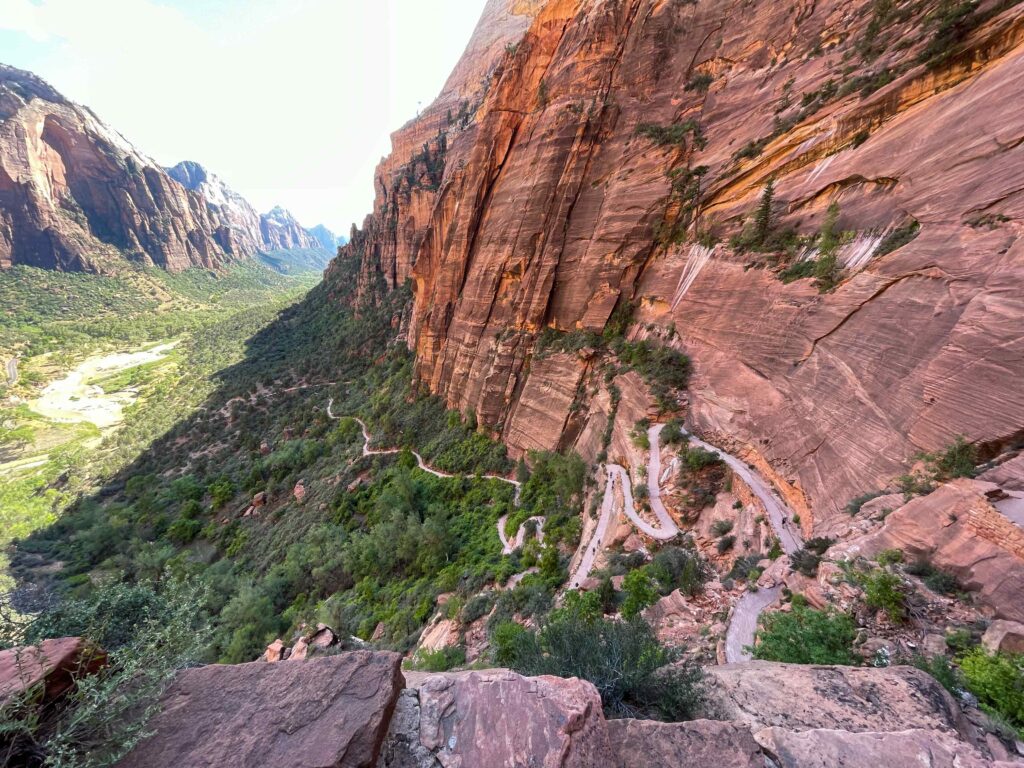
(368,541)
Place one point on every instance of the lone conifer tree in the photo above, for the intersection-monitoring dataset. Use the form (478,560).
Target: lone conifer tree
(763,215)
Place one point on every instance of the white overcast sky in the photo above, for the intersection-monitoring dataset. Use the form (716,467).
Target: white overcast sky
(290,101)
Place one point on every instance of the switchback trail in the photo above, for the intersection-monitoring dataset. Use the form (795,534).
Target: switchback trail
(507,546)
(743,623)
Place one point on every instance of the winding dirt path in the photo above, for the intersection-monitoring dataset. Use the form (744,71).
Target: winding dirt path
(508,547)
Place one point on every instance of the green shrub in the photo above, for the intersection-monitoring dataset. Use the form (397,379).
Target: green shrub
(898,238)
(640,592)
(149,633)
(682,569)
(890,556)
(806,636)
(943,670)
(805,562)
(476,607)
(721,527)
(441,660)
(623,659)
(725,544)
(998,682)
(700,82)
(883,591)
(853,506)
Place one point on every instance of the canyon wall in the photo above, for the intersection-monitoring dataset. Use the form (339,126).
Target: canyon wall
(75,195)
(614,151)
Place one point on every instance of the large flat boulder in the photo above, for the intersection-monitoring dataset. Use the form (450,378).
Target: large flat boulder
(820,748)
(645,743)
(53,666)
(498,719)
(855,699)
(329,712)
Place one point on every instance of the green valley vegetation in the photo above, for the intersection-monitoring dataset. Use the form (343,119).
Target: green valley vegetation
(363,543)
(111,334)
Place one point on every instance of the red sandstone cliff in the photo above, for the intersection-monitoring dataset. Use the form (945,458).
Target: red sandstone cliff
(545,201)
(75,195)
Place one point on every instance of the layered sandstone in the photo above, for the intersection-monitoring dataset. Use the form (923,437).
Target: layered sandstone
(547,207)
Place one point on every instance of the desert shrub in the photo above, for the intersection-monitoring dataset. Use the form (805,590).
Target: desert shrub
(700,82)
(890,556)
(148,631)
(898,238)
(725,544)
(998,682)
(669,135)
(640,591)
(883,591)
(806,636)
(721,527)
(819,545)
(623,659)
(805,561)
(682,569)
(934,578)
(440,660)
(696,458)
(672,433)
(853,506)
(943,670)
(477,606)
(958,459)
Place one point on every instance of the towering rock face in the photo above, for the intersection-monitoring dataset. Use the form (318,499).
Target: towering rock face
(238,224)
(74,194)
(596,153)
(280,231)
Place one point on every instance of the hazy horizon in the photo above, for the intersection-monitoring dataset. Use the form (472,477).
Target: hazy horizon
(291,102)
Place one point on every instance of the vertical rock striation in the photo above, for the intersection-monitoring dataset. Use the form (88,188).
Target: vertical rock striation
(609,137)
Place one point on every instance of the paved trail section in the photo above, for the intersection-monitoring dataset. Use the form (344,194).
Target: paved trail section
(508,547)
(73,399)
(743,623)
(12,371)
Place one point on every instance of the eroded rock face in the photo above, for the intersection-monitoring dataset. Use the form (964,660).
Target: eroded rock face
(958,530)
(643,744)
(824,748)
(74,194)
(319,713)
(803,697)
(546,208)
(281,231)
(498,718)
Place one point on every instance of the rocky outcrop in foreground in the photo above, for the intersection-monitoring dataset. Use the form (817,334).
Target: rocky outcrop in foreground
(356,710)
(317,714)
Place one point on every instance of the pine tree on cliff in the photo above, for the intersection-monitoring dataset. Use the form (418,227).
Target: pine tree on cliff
(763,215)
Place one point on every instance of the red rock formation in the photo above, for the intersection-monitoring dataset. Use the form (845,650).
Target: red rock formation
(317,713)
(554,201)
(75,195)
(53,664)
